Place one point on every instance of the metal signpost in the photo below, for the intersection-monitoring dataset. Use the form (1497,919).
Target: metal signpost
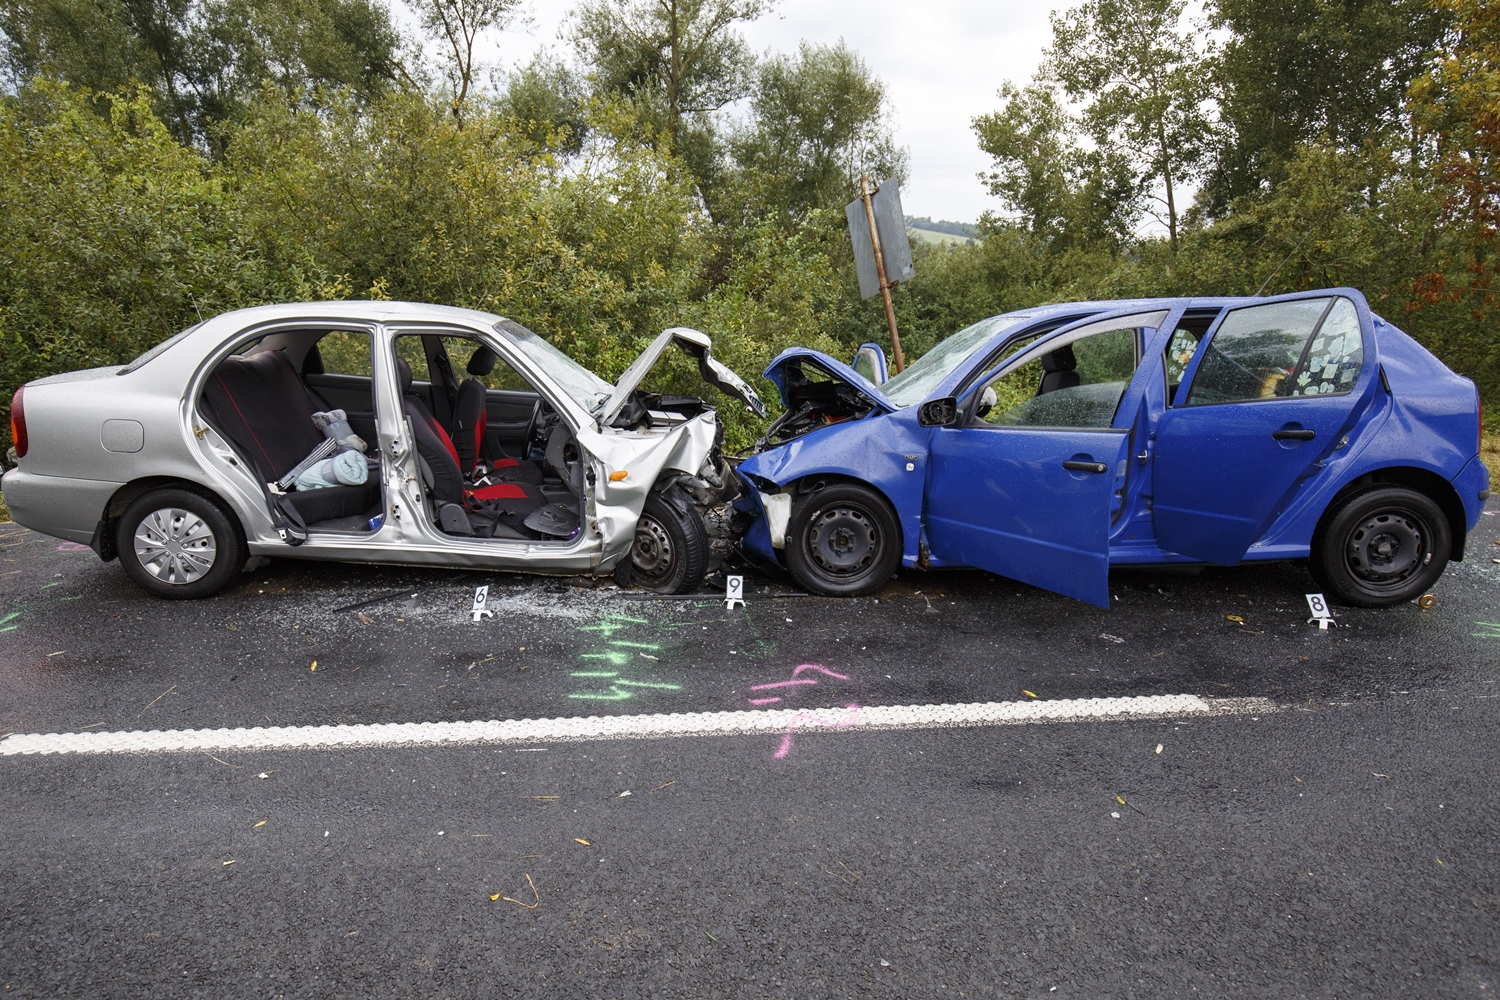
(882,253)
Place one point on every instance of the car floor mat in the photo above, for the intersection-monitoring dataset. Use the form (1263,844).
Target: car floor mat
(555,519)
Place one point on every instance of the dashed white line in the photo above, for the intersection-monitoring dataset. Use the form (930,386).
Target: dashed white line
(615,727)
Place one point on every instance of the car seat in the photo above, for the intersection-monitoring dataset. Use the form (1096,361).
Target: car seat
(263,408)
(491,510)
(469,418)
(1058,370)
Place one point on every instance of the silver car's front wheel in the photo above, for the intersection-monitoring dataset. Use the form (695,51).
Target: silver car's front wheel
(176,546)
(179,544)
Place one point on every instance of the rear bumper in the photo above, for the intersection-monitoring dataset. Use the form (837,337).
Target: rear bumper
(1473,486)
(64,508)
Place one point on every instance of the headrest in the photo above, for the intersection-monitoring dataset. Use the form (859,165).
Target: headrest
(1060,360)
(403,375)
(481,362)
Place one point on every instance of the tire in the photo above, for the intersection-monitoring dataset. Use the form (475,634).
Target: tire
(670,554)
(842,540)
(179,545)
(1380,546)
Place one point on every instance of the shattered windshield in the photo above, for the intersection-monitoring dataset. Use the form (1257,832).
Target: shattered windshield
(586,388)
(927,372)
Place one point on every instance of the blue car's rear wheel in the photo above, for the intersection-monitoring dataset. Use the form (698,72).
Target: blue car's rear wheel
(842,540)
(1381,546)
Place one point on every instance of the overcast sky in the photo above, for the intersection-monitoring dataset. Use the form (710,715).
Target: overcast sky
(942,60)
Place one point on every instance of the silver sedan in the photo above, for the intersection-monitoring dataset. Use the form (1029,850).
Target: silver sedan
(341,431)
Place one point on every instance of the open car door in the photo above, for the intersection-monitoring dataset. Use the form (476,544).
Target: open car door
(1274,388)
(1024,481)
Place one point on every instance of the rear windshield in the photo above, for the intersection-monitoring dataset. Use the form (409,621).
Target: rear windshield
(157,350)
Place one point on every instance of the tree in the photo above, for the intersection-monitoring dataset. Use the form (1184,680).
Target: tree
(1056,189)
(818,120)
(1456,108)
(678,58)
(1298,71)
(547,102)
(458,24)
(1143,86)
(203,59)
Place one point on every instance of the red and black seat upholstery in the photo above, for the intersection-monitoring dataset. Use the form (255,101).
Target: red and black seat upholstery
(469,419)
(260,404)
(510,502)
(470,422)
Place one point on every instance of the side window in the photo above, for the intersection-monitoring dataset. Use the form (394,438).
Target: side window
(500,374)
(1077,385)
(1331,363)
(1280,350)
(409,349)
(345,353)
(1190,331)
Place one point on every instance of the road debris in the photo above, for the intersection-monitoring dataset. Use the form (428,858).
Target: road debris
(623,794)
(580,840)
(1110,638)
(1158,748)
(258,825)
(1427,602)
(527,906)
(1234,618)
(660,787)
(1029,694)
(159,697)
(314,665)
(227,863)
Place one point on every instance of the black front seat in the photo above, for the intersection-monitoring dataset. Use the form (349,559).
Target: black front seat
(1058,371)
(469,419)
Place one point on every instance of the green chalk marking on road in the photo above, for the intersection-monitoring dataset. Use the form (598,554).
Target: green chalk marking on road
(9,628)
(54,583)
(595,673)
(75,597)
(615,695)
(13,614)
(618,659)
(1491,630)
(650,684)
(634,645)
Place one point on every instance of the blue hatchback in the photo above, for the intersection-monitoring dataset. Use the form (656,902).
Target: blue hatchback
(1051,444)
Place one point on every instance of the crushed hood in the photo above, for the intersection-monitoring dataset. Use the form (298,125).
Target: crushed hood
(833,367)
(695,344)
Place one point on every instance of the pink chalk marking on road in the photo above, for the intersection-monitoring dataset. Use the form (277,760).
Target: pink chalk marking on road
(780,684)
(763,701)
(786,741)
(821,670)
(73,547)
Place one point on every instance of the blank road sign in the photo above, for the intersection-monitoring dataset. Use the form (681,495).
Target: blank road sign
(895,248)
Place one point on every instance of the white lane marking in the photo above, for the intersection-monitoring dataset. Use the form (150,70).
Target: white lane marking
(615,727)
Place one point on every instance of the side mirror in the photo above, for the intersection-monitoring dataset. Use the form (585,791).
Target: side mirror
(938,412)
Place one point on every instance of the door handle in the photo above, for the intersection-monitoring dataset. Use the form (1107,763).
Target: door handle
(1294,434)
(1072,466)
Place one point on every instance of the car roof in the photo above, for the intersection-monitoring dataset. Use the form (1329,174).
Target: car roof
(1055,309)
(355,309)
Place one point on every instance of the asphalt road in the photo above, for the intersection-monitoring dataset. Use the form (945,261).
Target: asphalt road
(1340,844)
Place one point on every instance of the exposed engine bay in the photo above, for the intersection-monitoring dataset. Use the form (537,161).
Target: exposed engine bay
(814,398)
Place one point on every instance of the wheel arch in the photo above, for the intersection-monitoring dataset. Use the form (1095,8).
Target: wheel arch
(812,482)
(103,541)
(1430,484)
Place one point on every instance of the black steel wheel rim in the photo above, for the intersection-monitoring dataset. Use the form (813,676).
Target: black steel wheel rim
(1386,548)
(652,555)
(843,541)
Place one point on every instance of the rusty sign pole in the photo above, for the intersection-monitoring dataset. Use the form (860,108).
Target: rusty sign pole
(885,286)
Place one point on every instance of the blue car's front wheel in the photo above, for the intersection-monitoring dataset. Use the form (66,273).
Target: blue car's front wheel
(842,540)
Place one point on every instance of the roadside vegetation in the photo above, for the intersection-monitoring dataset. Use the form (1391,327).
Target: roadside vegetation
(165,161)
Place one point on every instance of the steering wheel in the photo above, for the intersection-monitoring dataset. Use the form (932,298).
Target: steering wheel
(536,414)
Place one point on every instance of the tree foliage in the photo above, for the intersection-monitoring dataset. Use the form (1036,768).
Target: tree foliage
(203,60)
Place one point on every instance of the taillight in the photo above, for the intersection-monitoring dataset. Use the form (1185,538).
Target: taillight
(18,423)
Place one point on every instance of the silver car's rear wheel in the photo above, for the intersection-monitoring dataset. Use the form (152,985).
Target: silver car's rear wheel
(176,546)
(179,544)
